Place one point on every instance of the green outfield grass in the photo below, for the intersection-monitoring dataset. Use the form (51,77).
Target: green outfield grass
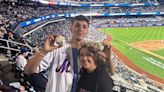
(124,36)
(159,52)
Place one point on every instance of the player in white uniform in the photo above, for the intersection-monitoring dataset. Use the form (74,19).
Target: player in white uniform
(60,60)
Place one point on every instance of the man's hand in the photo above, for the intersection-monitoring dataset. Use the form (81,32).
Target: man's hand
(49,44)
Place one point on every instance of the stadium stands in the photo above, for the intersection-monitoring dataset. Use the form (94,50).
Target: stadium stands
(12,15)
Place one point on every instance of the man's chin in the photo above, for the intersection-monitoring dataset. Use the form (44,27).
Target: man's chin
(79,39)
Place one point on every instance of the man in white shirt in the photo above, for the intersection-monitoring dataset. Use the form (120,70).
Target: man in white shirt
(21,61)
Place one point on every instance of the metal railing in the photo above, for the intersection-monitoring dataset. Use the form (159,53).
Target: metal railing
(8,47)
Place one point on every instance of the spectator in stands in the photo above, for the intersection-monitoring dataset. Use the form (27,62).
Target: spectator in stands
(61,60)
(6,88)
(94,77)
(21,60)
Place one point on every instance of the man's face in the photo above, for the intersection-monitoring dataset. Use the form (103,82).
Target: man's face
(25,54)
(79,30)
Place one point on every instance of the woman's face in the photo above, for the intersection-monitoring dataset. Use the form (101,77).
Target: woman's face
(86,59)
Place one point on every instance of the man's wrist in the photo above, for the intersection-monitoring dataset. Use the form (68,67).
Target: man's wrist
(42,52)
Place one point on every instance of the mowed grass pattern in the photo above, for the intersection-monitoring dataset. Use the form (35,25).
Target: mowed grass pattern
(159,52)
(135,34)
(124,36)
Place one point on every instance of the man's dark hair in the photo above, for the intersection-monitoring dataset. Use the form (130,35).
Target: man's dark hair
(80,18)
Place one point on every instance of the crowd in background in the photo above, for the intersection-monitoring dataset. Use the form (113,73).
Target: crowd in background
(12,15)
(97,21)
(130,79)
(110,1)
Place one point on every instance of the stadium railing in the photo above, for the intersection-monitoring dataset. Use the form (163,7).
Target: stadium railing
(13,42)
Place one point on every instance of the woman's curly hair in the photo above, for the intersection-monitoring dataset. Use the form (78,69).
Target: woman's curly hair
(94,49)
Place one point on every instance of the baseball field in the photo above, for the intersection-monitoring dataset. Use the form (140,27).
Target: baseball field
(144,46)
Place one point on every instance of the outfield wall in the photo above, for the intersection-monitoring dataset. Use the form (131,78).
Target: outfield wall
(128,25)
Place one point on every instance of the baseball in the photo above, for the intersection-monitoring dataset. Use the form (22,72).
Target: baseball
(59,41)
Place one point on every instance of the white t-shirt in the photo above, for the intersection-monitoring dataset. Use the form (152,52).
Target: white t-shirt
(60,64)
(21,61)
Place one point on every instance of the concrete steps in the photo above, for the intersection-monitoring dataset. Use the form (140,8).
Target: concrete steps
(6,69)
(3,58)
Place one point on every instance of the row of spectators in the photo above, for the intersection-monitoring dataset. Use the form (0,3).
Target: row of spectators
(127,20)
(134,9)
(110,1)
(129,79)
(127,9)
(98,1)
(12,15)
